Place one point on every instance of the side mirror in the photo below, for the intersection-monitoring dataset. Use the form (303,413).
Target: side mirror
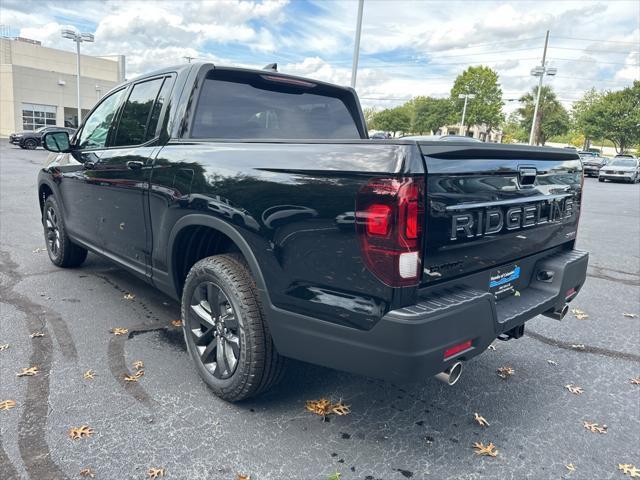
(56,142)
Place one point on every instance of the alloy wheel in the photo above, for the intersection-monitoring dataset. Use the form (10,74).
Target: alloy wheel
(213,328)
(52,232)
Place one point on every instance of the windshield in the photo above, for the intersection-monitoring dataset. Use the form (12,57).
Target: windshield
(623,162)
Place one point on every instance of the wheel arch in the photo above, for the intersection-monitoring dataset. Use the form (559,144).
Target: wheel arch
(237,241)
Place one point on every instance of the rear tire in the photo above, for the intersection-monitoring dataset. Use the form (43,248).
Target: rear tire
(226,331)
(30,144)
(62,251)
(601,180)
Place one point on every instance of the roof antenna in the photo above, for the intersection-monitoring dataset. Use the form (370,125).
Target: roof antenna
(271,66)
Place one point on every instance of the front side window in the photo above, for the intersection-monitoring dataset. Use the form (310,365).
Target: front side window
(138,114)
(96,129)
(240,106)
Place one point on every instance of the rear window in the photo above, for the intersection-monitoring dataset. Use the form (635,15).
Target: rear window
(240,105)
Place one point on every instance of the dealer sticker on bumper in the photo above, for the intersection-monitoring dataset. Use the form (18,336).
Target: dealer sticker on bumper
(504,280)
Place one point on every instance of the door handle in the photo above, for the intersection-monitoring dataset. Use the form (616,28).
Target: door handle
(134,165)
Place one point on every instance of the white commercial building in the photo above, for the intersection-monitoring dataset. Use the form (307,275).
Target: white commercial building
(38,84)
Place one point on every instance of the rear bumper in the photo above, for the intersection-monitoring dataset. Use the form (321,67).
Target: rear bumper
(591,170)
(408,344)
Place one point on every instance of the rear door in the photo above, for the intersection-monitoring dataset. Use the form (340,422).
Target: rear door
(490,205)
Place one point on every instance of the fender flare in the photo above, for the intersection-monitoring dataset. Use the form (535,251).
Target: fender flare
(198,219)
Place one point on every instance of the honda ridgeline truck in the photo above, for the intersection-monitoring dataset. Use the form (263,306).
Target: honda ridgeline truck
(258,201)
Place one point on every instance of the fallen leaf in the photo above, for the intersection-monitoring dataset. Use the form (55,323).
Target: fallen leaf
(239,476)
(4,346)
(135,377)
(505,372)
(155,472)
(324,407)
(334,476)
(629,469)
(7,404)
(87,472)
(138,365)
(89,375)
(552,362)
(38,250)
(579,314)
(119,331)
(176,323)
(80,432)
(129,296)
(594,427)
(37,334)
(340,409)
(570,467)
(516,293)
(578,346)
(492,347)
(630,315)
(635,381)
(28,372)
(576,390)
(489,450)
(480,420)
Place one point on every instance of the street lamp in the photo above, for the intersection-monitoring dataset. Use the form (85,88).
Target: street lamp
(539,71)
(78,38)
(466,97)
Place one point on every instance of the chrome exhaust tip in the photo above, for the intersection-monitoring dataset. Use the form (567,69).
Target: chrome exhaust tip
(557,314)
(451,375)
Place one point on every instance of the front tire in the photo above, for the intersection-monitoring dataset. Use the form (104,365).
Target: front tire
(62,251)
(225,330)
(601,179)
(30,144)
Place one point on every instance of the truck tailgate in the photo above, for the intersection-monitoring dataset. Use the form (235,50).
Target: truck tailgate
(488,205)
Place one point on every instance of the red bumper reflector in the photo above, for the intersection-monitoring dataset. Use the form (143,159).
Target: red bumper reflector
(450,352)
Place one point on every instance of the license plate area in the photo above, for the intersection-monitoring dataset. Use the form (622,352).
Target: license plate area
(504,281)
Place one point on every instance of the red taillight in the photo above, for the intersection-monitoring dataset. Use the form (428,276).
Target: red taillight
(461,347)
(378,219)
(389,218)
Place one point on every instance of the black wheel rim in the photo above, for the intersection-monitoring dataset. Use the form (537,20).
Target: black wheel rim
(52,231)
(213,329)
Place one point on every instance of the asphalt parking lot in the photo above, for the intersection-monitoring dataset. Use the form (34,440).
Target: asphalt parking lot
(168,419)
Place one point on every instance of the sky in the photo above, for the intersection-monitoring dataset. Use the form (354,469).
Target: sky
(408,48)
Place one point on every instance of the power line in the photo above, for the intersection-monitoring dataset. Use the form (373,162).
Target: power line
(595,40)
(597,61)
(592,51)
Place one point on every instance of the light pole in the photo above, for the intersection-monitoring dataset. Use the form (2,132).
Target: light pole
(78,38)
(356,46)
(540,71)
(466,97)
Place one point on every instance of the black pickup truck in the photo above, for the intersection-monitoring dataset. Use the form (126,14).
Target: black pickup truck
(257,199)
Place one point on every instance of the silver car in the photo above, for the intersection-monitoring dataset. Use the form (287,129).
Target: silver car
(625,169)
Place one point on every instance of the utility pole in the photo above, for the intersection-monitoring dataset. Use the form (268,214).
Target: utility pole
(188,59)
(466,97)
(356,47)
(540,72)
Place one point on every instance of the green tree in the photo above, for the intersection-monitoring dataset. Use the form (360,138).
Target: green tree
(486,107)
(553,118)
(429,114)
(512,130)
(616,117)
(369,115)
(580,114)
(393,120)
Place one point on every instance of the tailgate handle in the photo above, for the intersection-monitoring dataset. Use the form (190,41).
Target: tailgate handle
(527,175)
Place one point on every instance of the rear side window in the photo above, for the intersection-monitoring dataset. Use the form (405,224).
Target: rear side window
(139,115)
(236,105)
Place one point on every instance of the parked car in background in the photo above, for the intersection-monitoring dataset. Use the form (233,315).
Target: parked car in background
(592,165)
(380,136)
(624,155)
(587,154)
(624,168)
(32,139)
(441,138)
